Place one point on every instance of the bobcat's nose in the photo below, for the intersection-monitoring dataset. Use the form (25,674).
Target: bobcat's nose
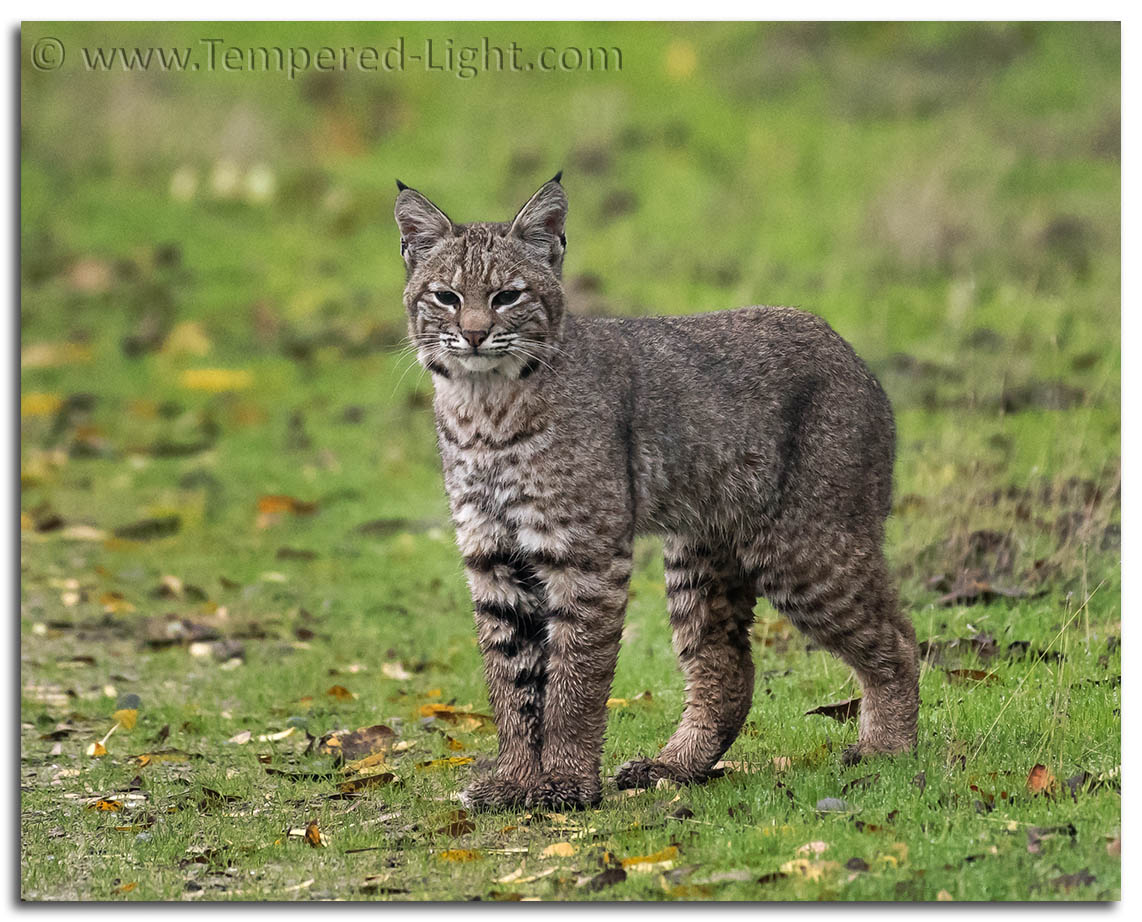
(475,337)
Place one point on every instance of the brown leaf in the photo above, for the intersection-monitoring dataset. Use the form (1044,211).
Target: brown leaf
(362,742)
(841,711)
(272,509)
(150,529)
(163,755)
(314,836)
(458,825)
(1068,882)
(356,785)
(1040,780)
(971,675)
(109,806)
(340,692)
(607,878)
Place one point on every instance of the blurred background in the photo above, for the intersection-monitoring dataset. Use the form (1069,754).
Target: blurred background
(210,270)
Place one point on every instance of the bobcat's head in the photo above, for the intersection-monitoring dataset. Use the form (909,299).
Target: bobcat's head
(484,298)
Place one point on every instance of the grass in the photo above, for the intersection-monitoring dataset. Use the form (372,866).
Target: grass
(945,195)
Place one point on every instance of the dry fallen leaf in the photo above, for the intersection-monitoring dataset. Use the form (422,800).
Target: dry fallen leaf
(126,888)
(127,718)
(813,848)
(667,854)
(162,755)
(810,870)
(361,782)
(841,711)
(241,738)
(1040,780)
(314,836)
(215,380)
(359,766)
(971,675)
(557,850)
(459,854)
(395,670)
(446,762)
(108,806)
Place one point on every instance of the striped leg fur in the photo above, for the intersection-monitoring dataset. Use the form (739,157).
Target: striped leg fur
(711,609)
(510,626)
(836,589)
(587,600)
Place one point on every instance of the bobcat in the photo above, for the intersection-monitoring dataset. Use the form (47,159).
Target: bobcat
(754,440)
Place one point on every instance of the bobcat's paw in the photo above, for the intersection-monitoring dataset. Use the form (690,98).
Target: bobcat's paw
(853,754)
(566,792)
(495,793)
(646,773)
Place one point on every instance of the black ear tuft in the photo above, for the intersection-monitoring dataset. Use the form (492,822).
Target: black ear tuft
(558,177)
(401,186)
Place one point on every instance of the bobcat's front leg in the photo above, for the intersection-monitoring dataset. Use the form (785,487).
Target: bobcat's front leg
(510,629)
(586,595)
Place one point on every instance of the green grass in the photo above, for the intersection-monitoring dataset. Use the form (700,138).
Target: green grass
(947,196)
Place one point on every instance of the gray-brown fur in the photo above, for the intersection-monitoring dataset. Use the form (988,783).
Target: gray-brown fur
(754,440)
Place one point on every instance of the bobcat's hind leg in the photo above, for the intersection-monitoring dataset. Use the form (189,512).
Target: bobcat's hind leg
(837,590)
(711,601)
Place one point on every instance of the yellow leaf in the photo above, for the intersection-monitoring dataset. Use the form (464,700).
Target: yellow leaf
(187,339)
(943,896)
(434,693)
(126,888)
(35,403)
(114,604)
(617,702)
(559,850)
(447,763)
(359,765)
(96,750)
(667,854)
(164,755)
(453,744)
(216,380)
(810,870)
(49,355)
(459,854)
(127,718)
(105,806)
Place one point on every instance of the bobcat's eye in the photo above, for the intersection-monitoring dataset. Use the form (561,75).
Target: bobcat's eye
(505,297)
(447,298)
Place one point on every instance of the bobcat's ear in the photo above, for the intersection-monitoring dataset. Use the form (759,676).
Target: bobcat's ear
(540,222)
(422,225)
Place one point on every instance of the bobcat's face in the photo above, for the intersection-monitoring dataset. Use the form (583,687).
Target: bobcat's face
(483,298)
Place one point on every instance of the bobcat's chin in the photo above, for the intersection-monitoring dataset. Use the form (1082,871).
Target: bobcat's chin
(481,363)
